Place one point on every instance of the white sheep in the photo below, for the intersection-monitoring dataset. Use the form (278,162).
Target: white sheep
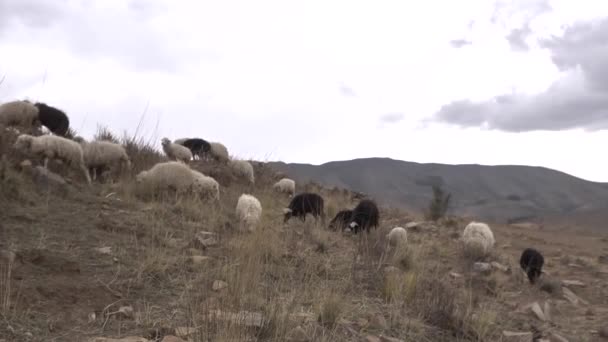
(219,152)
(285,185)
(249,212)
(54,147)
(100,154)
(176,151)
(205,186)
(19,113)
(172,175)
(478,238)
(243,168)
(397,237)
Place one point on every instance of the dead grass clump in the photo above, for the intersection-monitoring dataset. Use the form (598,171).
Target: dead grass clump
(331,310)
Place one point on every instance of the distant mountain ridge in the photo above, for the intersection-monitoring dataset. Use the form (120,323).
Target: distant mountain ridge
(504,193)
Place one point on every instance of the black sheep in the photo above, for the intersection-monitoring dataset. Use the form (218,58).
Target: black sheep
(199,147)
(303,204)
(364,216)
(531,262)
(341,220)
(52,118)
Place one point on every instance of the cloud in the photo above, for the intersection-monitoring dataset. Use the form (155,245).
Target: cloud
(579,99)
(347,91)
(521,14)
(517,38)
(459,43)
(392,117)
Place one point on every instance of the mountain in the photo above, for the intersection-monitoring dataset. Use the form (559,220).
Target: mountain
(505,193)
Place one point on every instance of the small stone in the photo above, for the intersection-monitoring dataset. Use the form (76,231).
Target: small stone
(298,335)
(219,285)
(455,275)
(92,317)
(482,267)
(536,309)
(499,266)
(199,259)
(379,322)
(104,250)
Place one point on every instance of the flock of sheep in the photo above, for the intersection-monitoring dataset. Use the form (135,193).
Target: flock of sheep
(96,156)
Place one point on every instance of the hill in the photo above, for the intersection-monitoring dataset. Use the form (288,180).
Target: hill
(495,193)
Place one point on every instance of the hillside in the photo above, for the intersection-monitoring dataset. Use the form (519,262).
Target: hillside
(494,193)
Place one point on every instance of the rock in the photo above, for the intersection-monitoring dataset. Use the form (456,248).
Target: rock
(298,335)
(371,338)
(499,266)
(126,312)
(603,332)
(389,339)
(170,338)
(536,309)
(204,240)
(482,267)
(104,250)
(573,283)
(125,339)
(455,275)
(573,298)
(513,336)
(379,322)
(555,337)
(219,285)
(199,259)
(92,317)
(246,318)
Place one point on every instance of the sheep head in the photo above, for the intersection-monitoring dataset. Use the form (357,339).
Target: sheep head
(23,142)
(165,141)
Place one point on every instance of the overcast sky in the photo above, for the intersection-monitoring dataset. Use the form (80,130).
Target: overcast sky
(473,81)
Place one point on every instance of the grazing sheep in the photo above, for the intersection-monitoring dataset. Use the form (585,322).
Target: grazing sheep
(19,113)
(243,168)
(199,147)
(219,152)
(249,212)
(341,220)
(285,185)
(52,118)
(102,154)
(175,151)
(365,215)
(303,204)
(397,237)
(54,147)
(172,175)
(531,262)
(205,186)
(478,239)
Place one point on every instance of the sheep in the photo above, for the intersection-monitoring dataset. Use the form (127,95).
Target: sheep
(243,168)
(303,204)
(176,151)
(101,154)
(341,220)
(172,175)
(285,185)
(52,118)
(205,186)
(531,261)
(364,216)
(180,141)
(51,147)
(19,113)
(478,239)
(397,237)
(199,147)
(219,152)
(249,212)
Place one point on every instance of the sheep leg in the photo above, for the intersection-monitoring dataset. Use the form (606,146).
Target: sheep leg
(86,173)
(46,162)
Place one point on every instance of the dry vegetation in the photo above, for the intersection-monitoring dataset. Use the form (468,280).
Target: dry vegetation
(101,262)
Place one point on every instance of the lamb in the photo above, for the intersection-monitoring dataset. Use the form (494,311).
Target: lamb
(199,147)
(397,237)
(243,168)
(172,175)
(219,152)
(19,113)
(205,186)
(52,118)
(341,220)
(478,239)
(101,154)
(364,216)
(54,147)
(249,212)
(176,151)
(531,261)
(285,185)
(303,204)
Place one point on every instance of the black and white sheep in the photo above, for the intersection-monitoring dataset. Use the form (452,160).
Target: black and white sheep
(249,212)
(285,185)
(19,113)
(341,220)
(198,147)
(54,147)
(176,151)
(478,239)
(305,203)
(53,118)
(100,155)
(364,216)
(531,261)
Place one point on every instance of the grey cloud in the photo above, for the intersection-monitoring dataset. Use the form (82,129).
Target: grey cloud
(526,10)
(579,100)
(392,117)
(517,38)
(458,43)
(347,91)
(31,13)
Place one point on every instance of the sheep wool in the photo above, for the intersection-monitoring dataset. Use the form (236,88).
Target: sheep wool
(219,152)
(19,113)
(397,237)
(478,238)
(100,154)
(164,176)
(243,168)
(176,151)
(54,147)
(285,185)
(249,212)
(205,186)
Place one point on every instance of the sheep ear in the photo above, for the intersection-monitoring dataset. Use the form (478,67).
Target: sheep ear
(286,210)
